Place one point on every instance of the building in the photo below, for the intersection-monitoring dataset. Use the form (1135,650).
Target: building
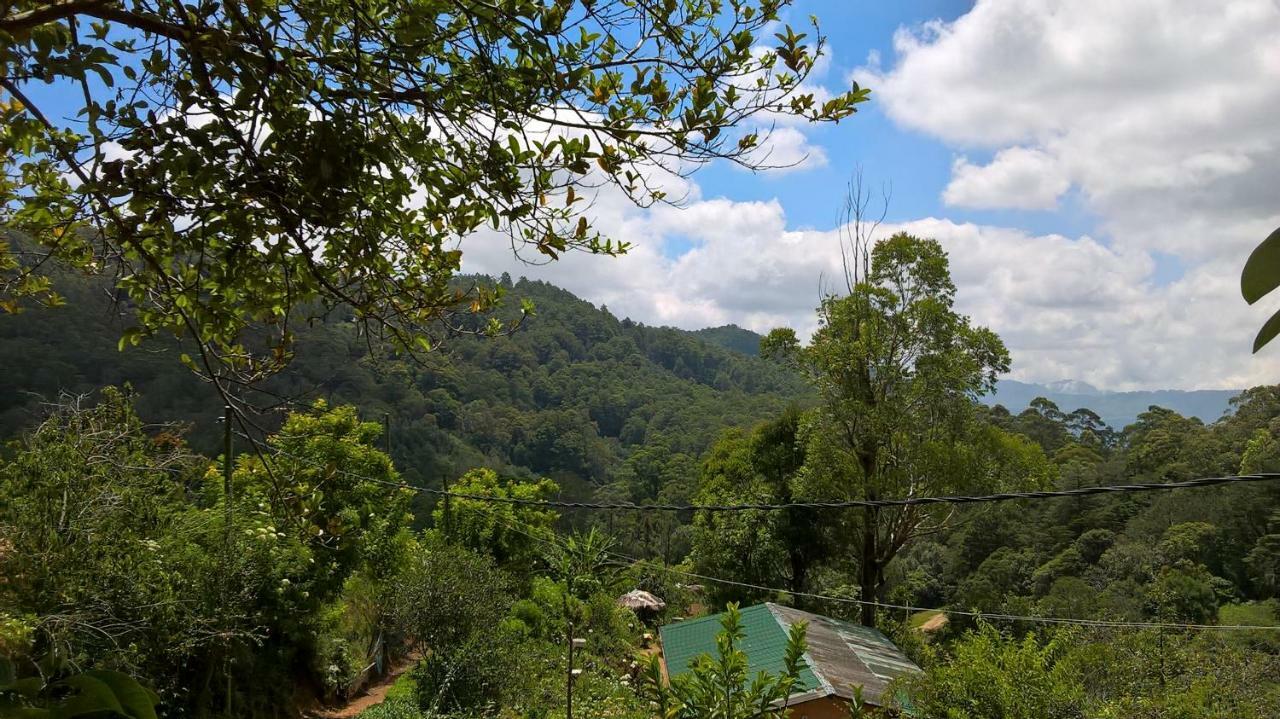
(840,656)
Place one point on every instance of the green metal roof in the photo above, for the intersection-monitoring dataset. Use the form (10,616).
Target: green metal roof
(764,642)
(840,655)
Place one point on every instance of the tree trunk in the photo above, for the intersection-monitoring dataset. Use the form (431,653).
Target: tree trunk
(869,565)
(799,570)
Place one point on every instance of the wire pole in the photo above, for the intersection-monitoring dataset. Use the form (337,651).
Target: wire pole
(226,500)
(386,430)
(226,470)
(568,684)
(574,643)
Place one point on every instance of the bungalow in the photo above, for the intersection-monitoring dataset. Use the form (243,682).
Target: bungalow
(840,656)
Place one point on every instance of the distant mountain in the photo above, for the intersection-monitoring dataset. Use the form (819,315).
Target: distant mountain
(1073,386)
(1116,408)
(732,337)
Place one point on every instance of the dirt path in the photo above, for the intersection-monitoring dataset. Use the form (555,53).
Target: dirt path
(372,696)
(934,623)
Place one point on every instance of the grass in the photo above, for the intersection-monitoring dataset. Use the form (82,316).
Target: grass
(403,688)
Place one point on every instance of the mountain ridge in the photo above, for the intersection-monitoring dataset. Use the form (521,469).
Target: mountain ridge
(1116,408)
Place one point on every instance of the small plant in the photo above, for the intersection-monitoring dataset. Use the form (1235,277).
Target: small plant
(91,693)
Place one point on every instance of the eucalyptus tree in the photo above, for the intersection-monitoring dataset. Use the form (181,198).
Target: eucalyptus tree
(240,167)
(897,370)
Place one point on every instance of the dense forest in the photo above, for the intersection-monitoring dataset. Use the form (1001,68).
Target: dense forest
(318,568)
(571,394)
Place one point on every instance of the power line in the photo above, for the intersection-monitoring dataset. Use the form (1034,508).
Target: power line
(840,504)
(954,612)
(1209,481)
(1036,619)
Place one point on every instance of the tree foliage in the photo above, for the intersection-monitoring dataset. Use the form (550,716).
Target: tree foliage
(1260,276)
(897,370)
(356,143)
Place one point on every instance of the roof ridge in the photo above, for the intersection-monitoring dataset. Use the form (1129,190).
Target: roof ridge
(809,661)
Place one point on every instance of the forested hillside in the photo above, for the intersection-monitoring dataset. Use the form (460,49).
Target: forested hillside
(571,394)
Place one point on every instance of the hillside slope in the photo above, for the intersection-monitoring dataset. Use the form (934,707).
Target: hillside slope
(570,395)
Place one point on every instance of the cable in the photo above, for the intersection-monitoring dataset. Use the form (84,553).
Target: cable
(843,504)
(845,600)
(956,612)
(906,607)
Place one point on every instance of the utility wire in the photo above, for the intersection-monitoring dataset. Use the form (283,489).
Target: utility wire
(629,560)
(953,612)
(842,504)
(553,542)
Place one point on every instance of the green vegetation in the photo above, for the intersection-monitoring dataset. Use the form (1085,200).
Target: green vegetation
(123,552)
(576,394)
(261,206)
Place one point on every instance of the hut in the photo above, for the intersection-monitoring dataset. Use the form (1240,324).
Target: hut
(840,656)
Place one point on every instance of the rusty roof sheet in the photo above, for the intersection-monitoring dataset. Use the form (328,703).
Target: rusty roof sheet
(844,655)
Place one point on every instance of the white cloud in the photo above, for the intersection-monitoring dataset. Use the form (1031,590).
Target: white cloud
(1066,307)
(1020,178)
(1160,112)
(786,149)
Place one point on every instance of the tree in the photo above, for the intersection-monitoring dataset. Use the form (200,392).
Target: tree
(499,529)
(770,548)
(989,675)
(721,687)
(897,370)
(1263,562)
(242,166)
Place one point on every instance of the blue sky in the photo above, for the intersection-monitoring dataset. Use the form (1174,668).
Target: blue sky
(917,166)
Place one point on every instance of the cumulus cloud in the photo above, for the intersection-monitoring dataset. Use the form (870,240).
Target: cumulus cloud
(1159,112)
(1018,177)
(1066,306)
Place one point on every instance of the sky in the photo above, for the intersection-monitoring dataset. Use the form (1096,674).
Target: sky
(1097,171)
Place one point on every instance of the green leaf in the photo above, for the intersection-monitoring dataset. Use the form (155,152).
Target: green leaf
(1267,333)
(1262,270)
(92,696)
(28,687)
(138,701)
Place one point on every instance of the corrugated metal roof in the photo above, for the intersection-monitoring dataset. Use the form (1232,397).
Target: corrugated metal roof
(764,642)
(840,656)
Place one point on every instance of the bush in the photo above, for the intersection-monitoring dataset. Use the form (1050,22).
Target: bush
(477,678)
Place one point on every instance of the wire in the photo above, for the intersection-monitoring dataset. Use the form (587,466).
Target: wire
(1037,619)
(955,612)
(552,542)
(843,504)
